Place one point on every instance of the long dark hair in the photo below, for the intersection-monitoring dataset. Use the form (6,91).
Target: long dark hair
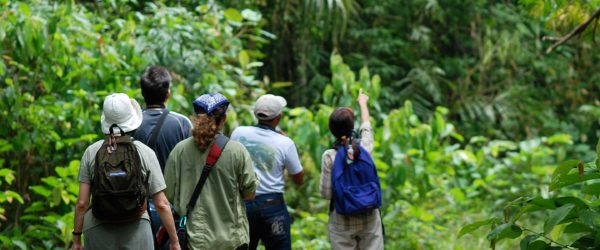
(341,125)
(206,127)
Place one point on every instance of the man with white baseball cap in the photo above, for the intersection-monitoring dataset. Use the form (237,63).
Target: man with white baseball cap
(121,116)
(272,154)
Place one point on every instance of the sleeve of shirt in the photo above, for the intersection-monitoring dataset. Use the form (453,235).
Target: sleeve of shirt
(366,136)
(156,181)
(84,167)
(247,179)
(292,161)
(171,176)
(325,185)
(187,128)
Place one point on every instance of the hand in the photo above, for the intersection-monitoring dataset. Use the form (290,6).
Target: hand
(362,98)
(174,246)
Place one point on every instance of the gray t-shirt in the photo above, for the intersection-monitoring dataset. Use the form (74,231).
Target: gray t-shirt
(156,181)
(272,153)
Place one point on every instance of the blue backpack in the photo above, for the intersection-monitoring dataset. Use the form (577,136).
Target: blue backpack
(355,184)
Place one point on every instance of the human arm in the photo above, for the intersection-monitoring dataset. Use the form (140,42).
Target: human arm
(366,131)
(325,183)
(83,201)
(164,211)
(292,163)
(362,103)
(247,179)
(298,178)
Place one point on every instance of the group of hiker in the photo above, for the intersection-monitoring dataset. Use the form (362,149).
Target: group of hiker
(159,180)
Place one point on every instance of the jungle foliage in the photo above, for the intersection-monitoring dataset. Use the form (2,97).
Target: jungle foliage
(476,127)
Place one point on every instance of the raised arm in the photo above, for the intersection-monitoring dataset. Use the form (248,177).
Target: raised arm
(362,103)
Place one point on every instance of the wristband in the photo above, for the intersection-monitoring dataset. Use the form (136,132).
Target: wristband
(77,234)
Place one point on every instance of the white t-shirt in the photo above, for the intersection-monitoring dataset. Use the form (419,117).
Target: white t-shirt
(272,153)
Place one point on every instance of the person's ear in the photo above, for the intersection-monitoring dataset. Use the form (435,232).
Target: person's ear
(168,94)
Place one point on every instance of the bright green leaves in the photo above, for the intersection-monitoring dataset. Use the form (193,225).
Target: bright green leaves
(557,216)
(507,230)
(469,228)
(233,15)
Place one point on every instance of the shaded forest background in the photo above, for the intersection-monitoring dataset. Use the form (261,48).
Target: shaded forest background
(480,134)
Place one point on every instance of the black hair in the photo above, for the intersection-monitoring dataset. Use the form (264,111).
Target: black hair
(341,125)
(155,83)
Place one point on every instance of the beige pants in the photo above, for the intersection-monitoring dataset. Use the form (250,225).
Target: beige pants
(369,237)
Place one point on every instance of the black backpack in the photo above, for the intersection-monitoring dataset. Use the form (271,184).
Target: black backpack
(119,189)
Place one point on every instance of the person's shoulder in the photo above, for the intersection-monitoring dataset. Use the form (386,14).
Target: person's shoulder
(142,148)
(234,145)
(93,148)
(329,152)
(179,117)
(242,129)
(184,144)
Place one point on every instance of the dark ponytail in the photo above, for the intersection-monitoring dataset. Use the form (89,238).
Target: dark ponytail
(341,125)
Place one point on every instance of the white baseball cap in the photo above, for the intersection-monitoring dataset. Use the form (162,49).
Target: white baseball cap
(119,109)
(268,106)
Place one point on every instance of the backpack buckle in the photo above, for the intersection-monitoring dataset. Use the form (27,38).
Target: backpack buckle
(183,221)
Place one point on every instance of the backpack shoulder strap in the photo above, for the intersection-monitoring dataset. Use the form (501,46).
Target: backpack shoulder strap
(155,131)
(213,156)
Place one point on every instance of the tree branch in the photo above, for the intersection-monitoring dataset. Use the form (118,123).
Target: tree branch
(574,32)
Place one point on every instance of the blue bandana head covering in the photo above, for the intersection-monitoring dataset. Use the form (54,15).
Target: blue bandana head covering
(208,103)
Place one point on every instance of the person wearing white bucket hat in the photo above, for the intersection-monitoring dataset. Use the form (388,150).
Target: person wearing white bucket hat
(121,116)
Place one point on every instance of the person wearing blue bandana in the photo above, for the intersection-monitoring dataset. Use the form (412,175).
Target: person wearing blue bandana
(218,218)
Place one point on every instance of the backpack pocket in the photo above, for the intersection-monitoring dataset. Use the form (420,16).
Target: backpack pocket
(119,206)
(360,199)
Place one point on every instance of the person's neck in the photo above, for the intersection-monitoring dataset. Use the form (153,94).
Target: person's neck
(269,125)
(156,106)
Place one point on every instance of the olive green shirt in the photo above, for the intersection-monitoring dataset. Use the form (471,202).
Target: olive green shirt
(218,220)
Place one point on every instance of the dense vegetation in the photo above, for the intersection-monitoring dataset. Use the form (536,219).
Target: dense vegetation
(480,135)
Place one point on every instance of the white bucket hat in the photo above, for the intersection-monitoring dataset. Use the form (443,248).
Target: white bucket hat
(119,109)
(268,106)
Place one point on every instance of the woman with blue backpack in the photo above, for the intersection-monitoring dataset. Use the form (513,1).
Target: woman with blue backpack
(349,179)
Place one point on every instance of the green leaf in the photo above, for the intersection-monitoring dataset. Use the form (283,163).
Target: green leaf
(243,58)
(590,218)
(591,189)
(557,216)
(10,195)
(507,230)
(525,241)
(251,15)
(573,178)
(538,245)
(20,244)
(564,168)
(598,154)
(476,225)
(41,190)
(233,15)
(577,227)
(560,139)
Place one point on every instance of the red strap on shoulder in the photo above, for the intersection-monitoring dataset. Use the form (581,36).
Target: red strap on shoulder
(213,155)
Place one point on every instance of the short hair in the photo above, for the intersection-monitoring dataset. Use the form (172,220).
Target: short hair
(155,83)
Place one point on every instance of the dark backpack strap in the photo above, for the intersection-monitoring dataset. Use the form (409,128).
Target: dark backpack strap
(152,141)
(213,156)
